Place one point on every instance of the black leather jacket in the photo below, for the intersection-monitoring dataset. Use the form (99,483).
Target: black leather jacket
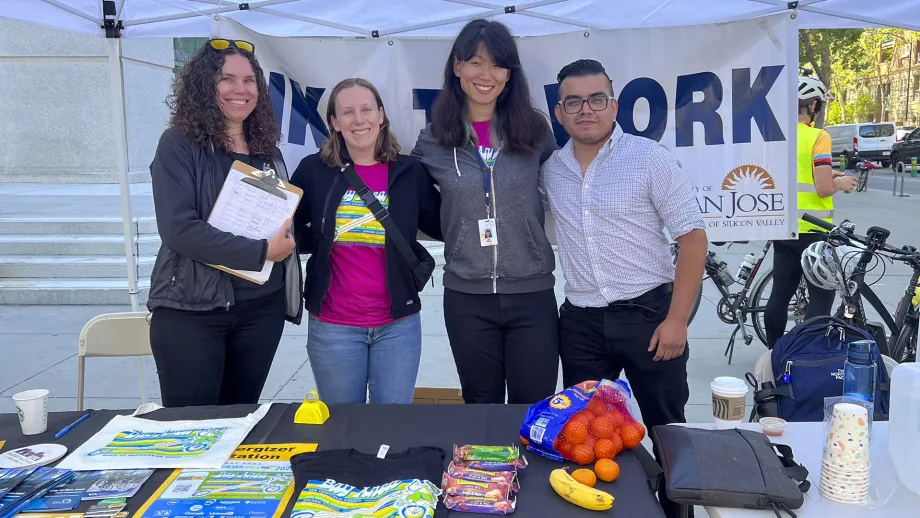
(186,180)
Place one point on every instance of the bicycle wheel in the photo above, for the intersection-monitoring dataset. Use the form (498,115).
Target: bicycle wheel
(760,296)
(905,347)
(861,181)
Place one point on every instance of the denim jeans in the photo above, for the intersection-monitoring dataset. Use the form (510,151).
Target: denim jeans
(348,362)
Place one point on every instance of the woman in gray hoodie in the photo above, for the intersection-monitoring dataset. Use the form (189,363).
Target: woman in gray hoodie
(484,148)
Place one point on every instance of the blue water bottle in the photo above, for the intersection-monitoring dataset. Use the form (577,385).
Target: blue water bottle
(859,371)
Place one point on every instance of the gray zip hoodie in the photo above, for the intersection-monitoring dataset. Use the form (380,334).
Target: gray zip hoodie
(523,260)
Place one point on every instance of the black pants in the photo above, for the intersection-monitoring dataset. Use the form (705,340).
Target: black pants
(219,357)
(787,274)
(598,343)
(498,339)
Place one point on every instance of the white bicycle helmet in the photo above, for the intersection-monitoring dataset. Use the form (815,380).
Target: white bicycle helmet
(819,267)
(811,88)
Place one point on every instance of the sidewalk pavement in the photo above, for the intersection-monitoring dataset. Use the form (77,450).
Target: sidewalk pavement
(40,342)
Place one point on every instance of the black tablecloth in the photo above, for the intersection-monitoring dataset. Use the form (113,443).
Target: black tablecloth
(366,427)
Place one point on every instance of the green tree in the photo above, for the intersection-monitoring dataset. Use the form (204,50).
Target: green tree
(835,113)
(882,50)
(822,50)
(863,108)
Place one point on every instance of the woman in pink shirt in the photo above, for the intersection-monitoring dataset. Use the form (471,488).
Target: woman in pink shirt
(361,292)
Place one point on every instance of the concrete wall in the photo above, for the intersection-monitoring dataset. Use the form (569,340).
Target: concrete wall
(55,104)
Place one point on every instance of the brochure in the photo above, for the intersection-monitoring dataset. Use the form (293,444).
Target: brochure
(256,481)
(66,496)
(117,483)
(11,477)
(32,488)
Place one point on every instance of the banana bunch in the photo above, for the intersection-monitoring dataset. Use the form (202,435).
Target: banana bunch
(579,494)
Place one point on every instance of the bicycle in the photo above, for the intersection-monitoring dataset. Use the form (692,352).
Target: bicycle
(862,174)
(735,308)
(901,344)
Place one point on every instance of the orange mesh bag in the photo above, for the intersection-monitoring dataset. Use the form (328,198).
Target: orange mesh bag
(584,423)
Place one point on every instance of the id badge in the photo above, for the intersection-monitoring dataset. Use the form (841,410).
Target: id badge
(488,232)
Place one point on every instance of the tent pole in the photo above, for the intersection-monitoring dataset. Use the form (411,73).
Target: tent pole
(117,87)
(121,149)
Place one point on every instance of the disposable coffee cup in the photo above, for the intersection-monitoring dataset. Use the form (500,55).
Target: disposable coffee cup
(32,407)
(729,401)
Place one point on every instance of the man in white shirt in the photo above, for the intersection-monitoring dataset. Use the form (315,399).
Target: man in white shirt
(612,196)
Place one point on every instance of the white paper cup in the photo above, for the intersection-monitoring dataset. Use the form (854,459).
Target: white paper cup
(729,401)
(32,407)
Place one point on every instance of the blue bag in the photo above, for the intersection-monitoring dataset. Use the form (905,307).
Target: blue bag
(808,366)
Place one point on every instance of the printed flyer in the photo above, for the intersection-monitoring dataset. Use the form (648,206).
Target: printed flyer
(255,482)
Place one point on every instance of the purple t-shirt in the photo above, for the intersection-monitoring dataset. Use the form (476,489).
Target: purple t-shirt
(358,294)
(483,131)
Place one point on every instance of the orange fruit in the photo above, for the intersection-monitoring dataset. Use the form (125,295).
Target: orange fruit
(590,442)
(607,470)
(632,435)
(617,418)
(596,406)
(584,416)
(617,445)
(524,441)
(582,454)
(605,449)
(585,476)
(575,432)
(564,448)
(603,427)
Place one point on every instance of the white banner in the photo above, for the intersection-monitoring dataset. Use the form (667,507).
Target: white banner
(720,97)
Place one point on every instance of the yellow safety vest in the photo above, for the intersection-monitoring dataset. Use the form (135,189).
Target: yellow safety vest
(809,200)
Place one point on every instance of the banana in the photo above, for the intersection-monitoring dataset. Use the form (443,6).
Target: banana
(579,494)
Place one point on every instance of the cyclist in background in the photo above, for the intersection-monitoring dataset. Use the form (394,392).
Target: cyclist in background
(817,184)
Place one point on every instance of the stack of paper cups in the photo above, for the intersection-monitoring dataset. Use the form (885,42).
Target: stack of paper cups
(845,469)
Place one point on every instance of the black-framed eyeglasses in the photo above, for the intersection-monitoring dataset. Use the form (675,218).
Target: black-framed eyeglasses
(595,102)
(223,44)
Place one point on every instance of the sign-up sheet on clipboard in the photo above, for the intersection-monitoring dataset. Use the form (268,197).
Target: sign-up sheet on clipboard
(253,204)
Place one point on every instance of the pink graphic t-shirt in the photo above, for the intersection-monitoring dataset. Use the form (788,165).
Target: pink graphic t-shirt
(483,131)
(358,294)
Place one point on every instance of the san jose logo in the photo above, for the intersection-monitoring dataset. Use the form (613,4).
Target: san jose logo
(747,192)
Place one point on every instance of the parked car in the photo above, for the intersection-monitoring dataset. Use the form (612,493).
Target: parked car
(903,131)
(907,148)
(870,140)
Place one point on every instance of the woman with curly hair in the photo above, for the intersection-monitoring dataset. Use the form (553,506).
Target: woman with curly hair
(214,335)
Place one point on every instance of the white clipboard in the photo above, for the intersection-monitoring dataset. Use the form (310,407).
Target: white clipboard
(253,204)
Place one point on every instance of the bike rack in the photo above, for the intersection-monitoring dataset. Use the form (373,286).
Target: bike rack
(899,172)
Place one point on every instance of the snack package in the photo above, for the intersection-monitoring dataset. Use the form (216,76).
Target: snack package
(456,486)
(488,465)
(474,504)
(459,475)
(589,421)
(505,454)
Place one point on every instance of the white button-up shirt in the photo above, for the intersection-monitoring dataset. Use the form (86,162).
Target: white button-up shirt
(610,223)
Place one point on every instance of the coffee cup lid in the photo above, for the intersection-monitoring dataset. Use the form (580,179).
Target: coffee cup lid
(730,385)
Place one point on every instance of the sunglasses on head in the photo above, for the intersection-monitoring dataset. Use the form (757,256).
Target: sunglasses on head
(223,44)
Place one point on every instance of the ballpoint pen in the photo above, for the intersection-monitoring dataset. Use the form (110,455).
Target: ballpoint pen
(72,425)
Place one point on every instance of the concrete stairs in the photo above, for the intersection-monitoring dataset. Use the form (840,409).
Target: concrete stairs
(59,260)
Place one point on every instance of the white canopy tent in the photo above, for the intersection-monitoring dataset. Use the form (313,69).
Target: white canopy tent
(116,19)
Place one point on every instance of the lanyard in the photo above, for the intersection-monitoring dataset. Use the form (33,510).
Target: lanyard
(486,181)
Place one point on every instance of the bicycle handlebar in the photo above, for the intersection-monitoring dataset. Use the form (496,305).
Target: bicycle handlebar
(839,232)
(817,222)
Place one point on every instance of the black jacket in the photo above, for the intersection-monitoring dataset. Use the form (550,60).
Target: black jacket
(414,205)
(186,180)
